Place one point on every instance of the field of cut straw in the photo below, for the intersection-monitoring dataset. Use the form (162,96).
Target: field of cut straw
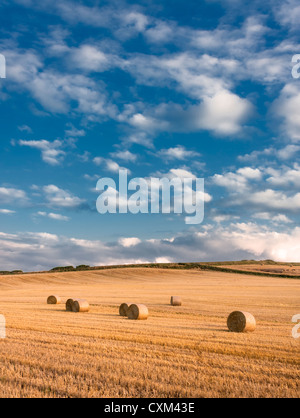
(180,351)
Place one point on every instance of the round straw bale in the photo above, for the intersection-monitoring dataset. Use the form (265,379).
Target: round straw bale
(176,301)
(69,305)
(80,305)
(241,322)
(138,312)
(123,310)
(53,300)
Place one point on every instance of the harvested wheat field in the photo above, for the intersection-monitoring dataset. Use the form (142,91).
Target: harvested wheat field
(276,268)
(183,351)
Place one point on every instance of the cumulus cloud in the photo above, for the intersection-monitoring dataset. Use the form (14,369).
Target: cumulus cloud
(148,123)
(109,165)
(54,216)
(88,57)
(124,156)
(56,92)
(61,198)
(239,181)
(285,177)
(177,153)
(73,12)
(25,128)
(129,242)
(287,108)
(72,132)
(22,66)
(271,199)
(51,151)
(264,189)
(183,173)
(286,153)
(288,14)
(135,20)
(7,212)
(39,251)
(278,219)
(9,195)
(161,32)
(138,138)
(224,113)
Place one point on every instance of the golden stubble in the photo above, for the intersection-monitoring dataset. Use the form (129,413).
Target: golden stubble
(183,351)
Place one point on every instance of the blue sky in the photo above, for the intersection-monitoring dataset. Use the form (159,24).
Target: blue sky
(199,88)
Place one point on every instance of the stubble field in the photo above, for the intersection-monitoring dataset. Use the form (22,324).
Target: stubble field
(178,352)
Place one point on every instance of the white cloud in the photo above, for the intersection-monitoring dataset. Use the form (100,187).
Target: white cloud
(224,218)
(109,165)
(271,199)
(183,174)
(286,153)
(74,12)
(224,114)
(177,153)
(268,67)
(238,40)
(250,173)
(61,198)
(89,177)
(88,57)
(39,251)
(237,182)
(161,32)
(25,128)
(147,123)
(22,66)
(207,79)
(72,132)
(10,195)
(277,219)
(250,190)
(7,212)
(139,138)
(288,13)
(162,260)
(281,219)
(54,216)
(129,242)
(285,177)
(287,107)
(196,76)
(135,20)
(124,156)
(51,152)
(55,92)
